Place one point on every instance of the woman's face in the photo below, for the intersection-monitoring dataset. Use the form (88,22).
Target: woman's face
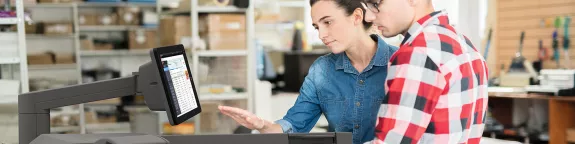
(336,29)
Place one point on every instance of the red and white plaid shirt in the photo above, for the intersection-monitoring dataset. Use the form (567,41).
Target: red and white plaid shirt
(436,88)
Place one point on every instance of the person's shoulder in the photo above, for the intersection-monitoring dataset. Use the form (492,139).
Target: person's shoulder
(325,61)
(322,68)
(442,42)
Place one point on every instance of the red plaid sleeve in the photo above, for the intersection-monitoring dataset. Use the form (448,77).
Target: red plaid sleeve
(414,85)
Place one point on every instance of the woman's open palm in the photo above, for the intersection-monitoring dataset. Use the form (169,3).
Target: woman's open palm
(244,117)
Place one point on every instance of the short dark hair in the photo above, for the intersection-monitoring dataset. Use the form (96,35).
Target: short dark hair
(349,6)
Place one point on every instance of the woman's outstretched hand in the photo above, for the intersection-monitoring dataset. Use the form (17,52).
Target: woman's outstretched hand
(250,120)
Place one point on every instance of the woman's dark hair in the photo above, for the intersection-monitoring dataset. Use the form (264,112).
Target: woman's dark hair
(349,6)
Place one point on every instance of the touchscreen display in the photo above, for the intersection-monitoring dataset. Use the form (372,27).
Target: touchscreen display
(179,84)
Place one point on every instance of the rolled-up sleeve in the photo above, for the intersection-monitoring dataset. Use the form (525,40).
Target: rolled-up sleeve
(304,114)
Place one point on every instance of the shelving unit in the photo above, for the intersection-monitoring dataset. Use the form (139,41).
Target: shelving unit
(71,42)
(13,72)
(15,45)
(195,55)
(276,30)
(116,54)
(81,56)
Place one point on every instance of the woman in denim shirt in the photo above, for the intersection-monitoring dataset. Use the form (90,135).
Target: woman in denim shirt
(345,85)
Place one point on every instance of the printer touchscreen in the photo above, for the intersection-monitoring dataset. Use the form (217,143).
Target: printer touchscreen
(179,84)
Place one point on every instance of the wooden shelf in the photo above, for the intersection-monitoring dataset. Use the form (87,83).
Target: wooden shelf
(43,36)
(125,52)
(53,67)
(112,27)
(8,21)
(561,111)
(9,60)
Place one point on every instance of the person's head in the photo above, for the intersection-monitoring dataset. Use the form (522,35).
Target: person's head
(339,22)
(393,17)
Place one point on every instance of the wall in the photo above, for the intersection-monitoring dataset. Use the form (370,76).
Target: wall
(515,16)
(465,16)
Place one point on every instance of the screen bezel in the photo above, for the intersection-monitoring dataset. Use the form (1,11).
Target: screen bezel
(168,51)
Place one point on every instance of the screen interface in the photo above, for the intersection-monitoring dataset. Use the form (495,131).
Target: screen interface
(179,84)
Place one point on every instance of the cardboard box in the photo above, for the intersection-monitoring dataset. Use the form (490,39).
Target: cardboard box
(87,44)
(103,46)
(222,22)
(570,135)
(210,116)
(173,29)
(185,128)
(107,19)
(33,28)
(40,59)
(88,19)
(129,15)
(142,39)
(64,58)
(58,28)
(225,40)
(267,18)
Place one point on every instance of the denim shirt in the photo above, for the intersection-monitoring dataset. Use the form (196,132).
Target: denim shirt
(348,99)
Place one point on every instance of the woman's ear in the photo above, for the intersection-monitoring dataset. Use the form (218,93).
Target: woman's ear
(358,16)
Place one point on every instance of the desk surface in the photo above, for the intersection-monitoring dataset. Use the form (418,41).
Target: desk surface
(530,96)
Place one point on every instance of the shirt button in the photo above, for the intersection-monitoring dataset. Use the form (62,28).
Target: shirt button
(361,82)
(357,104)
(356,126)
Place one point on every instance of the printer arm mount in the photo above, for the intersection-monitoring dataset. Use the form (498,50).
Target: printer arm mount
(34,107)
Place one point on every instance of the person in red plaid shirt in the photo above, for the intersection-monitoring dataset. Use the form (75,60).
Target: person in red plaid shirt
(437,81)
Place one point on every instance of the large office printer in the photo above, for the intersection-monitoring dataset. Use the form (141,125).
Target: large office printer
(166,84)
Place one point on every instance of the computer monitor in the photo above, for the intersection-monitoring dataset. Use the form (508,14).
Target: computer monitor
(177,82)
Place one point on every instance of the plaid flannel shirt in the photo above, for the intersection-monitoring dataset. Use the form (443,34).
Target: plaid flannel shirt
(436,87)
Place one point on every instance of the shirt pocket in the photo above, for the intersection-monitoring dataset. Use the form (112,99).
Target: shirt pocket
(335,112)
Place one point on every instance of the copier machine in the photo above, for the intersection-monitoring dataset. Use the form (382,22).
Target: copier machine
(167,85)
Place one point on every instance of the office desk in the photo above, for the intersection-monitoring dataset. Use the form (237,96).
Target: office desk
(561,112)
